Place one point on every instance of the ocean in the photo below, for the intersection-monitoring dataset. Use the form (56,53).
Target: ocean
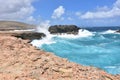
(93,46)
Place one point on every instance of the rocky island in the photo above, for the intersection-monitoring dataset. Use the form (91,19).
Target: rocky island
(59,29)
(118,31)
(19,60)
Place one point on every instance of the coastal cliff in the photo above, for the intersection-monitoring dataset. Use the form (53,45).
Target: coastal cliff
(21,61)
(20,30)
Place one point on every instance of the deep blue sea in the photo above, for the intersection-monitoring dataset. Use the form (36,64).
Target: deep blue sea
(93,46)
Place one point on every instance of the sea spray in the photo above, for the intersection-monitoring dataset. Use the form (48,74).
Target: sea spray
(43,28)
(100,49)
(82,33)
(49,39)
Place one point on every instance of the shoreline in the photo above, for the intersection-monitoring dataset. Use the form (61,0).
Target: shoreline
(20,60)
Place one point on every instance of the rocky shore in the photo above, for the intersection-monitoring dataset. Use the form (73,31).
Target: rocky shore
(118,31)
(19,30)
(19,60)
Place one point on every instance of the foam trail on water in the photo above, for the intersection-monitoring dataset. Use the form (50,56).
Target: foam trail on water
(85,33)
(109,32)
(82,33)
(39,43)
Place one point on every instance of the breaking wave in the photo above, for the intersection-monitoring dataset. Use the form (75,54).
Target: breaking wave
(109,32)
(100,49)
(49,39)
(43,27)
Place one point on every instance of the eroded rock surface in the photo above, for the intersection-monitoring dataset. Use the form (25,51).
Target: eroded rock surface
(118,31)
(69,29)
(30,35)
(21,61)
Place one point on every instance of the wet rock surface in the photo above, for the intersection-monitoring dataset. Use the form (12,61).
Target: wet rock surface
(69,29)
(118,31)
(29,35)
(21,61)
(20,30)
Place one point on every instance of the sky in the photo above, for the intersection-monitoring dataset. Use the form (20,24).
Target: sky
(78,12)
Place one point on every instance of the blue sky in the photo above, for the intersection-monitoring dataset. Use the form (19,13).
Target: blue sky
(78,12)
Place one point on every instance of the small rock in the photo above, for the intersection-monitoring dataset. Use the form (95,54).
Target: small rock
(65,70)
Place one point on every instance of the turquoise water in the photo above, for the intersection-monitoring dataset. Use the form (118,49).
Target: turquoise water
(101,49)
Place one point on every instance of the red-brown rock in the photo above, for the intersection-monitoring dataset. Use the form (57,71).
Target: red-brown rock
(21,61)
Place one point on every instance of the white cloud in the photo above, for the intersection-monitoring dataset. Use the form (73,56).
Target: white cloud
(30,19)
(15,9)
(104,8)
(58,12)
(117,4)
(69,18)
(62,18)
(103,12)
(78,13)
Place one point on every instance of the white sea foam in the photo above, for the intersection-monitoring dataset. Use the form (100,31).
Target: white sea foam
(109,32)
(43,27)
(39,43)
(111,67)
(82,33)
(48,38)
(85,33)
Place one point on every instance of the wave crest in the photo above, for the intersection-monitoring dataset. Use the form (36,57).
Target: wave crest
(109,32)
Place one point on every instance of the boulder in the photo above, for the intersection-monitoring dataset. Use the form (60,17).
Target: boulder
(29,35)
(69,29)
(118,31)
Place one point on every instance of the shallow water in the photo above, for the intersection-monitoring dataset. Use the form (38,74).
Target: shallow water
(100,49)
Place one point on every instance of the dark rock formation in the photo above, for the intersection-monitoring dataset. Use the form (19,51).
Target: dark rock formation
(24,35)
(118,31)
(9,27)
(69,29)
(29,35)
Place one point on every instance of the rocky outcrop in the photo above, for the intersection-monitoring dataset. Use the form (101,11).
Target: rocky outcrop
(118,31)
(20,30)
(29,35)
(69,29)
(26,35)
(21,61)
